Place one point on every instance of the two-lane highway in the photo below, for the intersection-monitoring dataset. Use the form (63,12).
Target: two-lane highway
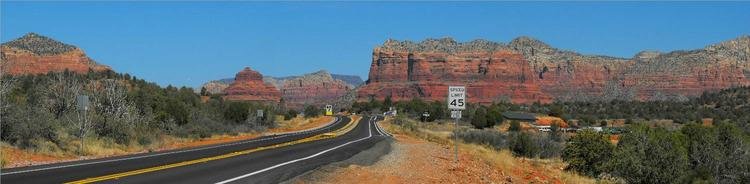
(268,159)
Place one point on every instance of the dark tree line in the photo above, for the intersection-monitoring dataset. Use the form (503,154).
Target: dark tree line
(40,110)
(696,153)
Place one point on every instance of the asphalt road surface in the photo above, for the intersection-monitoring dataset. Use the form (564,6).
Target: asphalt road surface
(265,166)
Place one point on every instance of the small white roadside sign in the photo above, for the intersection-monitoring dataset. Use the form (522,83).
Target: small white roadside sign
(456,114)
(456,97)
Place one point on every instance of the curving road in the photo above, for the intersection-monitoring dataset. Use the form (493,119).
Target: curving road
(222,163)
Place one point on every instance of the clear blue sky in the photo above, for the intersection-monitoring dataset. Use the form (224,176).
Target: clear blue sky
(188,43)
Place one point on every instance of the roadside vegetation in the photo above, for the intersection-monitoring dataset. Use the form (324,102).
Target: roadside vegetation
(688,150)
(528,163)
(40,114)
(729,104)
(694,154)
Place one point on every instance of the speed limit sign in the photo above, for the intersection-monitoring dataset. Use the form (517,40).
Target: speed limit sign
(456,97)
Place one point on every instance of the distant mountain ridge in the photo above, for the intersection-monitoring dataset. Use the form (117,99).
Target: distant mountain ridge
(527,70)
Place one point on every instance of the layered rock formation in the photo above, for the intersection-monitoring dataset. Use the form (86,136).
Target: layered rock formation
(216,86)
(249,86)
(351,80)
(318,88)
(527,70)
(36,54)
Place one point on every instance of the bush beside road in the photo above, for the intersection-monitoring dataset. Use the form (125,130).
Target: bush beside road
(423,153)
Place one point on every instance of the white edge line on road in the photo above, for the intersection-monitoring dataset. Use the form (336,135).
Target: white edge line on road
(381,130)
(377,127)
(165,153)
(369,131)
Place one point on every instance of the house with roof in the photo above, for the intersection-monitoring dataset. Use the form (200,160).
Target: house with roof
(519,116)
(540,122)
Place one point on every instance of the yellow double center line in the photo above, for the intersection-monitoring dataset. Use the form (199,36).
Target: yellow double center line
(349,126)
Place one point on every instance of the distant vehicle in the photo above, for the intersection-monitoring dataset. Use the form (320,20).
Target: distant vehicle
(390,113)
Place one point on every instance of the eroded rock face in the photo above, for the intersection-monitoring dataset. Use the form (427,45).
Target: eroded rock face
(36,54)
(317,88)
(249,86)
(215,87)
(528,70)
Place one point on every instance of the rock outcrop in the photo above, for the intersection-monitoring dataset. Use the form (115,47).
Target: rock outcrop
(318,88)
(249,86)
(527,70)
(36,54)
(351,80)
(216,86)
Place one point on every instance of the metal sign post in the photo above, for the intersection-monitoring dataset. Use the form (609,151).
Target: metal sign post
(82,102)
(259,114)
(456,103)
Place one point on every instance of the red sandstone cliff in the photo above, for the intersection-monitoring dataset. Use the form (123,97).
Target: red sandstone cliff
(36,54)
(249,86)
(527,70)
(317,88)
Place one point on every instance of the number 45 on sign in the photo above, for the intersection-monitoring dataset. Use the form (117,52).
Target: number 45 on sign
(456,97)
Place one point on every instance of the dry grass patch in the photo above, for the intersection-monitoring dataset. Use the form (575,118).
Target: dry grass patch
(301,123)
(522,170)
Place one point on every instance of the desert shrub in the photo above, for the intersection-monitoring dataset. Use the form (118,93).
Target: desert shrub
(531,145)
(39,110)
(649,155)
(587,152)
(406,123)
(237,112)
(312,111)
(291,113)
(717,154)
(555,133)
(26,124)
(494,115)
(515,126)
(523,144)
(549,148)
(257,123)
(479,119)
(492,138)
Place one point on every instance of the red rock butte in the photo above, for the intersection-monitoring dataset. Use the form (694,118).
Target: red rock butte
(317,88)
(36,54)
(249,86)
(528,70)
